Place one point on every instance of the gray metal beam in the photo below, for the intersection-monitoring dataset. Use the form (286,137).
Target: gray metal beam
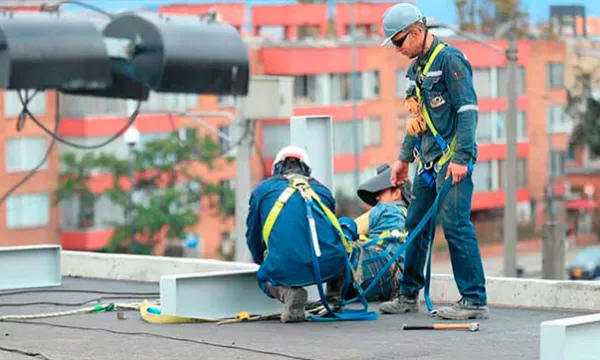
(217,295)
(30,266)
(574,338)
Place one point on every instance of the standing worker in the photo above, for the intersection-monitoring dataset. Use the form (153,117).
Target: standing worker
(441,133)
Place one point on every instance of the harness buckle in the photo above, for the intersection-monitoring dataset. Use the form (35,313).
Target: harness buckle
(415,153)
(428,165)
(446,150)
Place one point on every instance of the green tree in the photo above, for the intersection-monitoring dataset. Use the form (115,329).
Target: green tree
(584,109)
(168,178)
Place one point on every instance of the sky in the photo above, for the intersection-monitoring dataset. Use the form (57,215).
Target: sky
(443,10)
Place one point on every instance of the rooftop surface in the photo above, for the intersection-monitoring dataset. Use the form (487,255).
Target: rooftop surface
(506,334)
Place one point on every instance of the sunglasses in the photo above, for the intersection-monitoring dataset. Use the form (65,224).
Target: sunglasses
(399,42)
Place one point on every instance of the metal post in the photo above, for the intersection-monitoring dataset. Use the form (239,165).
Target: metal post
(355,120)
(132,245)
(510,203)
(553,251)
(243,184)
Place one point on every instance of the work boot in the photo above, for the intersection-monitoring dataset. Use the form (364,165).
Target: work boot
(401,304)
(294,300)
(463,310)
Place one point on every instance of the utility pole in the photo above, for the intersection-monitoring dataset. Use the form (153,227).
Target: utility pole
(243,184)
(510,192)
(354,95)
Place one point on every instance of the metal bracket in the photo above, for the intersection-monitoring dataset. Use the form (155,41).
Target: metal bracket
(30,266)
(574,338)
(217,295)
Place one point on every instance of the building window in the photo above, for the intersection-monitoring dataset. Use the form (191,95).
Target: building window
(275,136)
(13,106)
(521,126)
(188,133)
(556,163)
(372,131)
(521,173)
(370,86)
(27,211)
(555,74)
(226,100)
(341,88)
(305,89)
(23,154)
(503,78)
(401,83)
(344,138)
(557,120)
(482,80)
(169,102)
(485,128)
(482,176)
(77,106)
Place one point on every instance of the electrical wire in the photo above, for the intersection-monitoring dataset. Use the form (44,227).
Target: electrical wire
(84,291)
(46,155)
(132,118)
(25,352)
(56,6)
(96,299)
(141,333)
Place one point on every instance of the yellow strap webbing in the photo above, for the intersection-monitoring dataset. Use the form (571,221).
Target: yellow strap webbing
(448,155)
(301,184)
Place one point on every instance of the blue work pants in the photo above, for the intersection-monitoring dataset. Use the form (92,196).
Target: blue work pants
(454,211)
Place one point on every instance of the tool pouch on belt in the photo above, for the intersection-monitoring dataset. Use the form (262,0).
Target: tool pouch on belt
(416,124)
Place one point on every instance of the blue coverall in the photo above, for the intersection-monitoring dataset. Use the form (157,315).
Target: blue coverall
(450,98)
(288,261)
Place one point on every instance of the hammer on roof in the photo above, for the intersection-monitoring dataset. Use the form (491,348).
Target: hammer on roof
(472,327)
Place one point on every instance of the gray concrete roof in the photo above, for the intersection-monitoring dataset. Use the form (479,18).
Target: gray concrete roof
(507,334)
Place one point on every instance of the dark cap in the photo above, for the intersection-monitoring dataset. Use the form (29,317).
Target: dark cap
(368,191)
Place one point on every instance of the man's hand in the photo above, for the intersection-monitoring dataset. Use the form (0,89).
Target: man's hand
(399,172)
(457,171)
(416,125)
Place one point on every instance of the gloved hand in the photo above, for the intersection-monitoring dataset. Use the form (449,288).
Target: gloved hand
(416,125)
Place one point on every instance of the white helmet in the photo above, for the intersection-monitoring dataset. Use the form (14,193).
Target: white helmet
(291,151)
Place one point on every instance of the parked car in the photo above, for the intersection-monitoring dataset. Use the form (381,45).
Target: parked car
(586,265)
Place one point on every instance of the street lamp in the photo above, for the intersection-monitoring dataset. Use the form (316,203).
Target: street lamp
(132,138)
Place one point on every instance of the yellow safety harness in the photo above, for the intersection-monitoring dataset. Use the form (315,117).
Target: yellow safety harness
(300,183)
(447,151)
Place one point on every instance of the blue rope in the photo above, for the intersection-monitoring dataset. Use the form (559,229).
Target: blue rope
(428,217)
(350,314)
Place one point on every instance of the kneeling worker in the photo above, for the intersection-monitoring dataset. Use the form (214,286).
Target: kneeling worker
(279,236)
(386,222)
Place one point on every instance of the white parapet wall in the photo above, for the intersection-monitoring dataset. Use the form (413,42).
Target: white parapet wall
(139,267)
(501,291)
(526,293)
(574,338)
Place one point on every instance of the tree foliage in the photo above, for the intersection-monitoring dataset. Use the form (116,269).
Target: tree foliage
(584,109)
(489,17)
(168,188)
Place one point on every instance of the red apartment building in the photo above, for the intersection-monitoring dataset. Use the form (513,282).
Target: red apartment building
(318,56)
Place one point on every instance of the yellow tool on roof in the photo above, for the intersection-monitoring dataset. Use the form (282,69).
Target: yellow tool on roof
(152,314)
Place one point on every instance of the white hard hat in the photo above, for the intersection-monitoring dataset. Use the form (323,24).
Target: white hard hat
(291,151)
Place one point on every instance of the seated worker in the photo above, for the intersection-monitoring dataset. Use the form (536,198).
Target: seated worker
(278,234)
(385,220)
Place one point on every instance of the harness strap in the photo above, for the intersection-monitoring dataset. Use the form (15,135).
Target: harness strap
(447,151)
(300,183)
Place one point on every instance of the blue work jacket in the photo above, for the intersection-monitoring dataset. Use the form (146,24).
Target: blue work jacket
(288,261)
(449,96)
